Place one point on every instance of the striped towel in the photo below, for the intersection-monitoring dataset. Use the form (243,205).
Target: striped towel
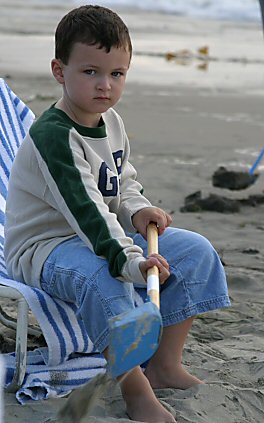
(63,330)
(42,382)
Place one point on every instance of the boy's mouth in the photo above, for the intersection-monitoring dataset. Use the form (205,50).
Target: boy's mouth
(102,98)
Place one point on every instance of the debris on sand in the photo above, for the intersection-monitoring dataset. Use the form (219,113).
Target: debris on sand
(233,180)
(195,203)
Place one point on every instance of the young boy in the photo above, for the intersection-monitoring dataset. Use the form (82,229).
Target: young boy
(76,218)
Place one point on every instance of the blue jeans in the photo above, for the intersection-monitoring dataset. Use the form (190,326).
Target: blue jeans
(197,282)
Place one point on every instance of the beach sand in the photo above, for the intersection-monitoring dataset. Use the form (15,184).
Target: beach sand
(185,117)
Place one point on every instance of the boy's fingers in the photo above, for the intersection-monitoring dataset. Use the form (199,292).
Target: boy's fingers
(161,264)
(161,259)
(163,222)
(169,219)
(164,274)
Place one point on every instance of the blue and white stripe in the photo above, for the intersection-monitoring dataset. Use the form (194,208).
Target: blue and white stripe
(63,330)
(15,121)
(42,382)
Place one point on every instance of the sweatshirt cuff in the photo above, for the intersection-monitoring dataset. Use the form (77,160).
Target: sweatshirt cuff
(131,271)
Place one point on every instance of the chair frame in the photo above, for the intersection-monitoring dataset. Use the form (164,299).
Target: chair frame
(22,331)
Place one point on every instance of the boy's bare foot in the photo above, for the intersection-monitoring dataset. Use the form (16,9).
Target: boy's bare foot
(163,377)
(142,404)
(144,410)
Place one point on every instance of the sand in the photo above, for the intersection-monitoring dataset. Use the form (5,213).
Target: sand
(185,117)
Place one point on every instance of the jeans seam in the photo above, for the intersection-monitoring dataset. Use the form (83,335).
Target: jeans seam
(181,279)
(187,286)
(104,302)
(204,306)
(62,270)
(101,342)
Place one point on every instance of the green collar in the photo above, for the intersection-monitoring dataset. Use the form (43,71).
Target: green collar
(98,132)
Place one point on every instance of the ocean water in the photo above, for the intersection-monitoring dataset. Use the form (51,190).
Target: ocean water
(238,10)
(214,9)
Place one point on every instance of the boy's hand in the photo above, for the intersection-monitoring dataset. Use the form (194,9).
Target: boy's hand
(143,217)
(160,262)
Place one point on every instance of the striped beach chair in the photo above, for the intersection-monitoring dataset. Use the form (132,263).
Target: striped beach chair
(63,330)
(15,120)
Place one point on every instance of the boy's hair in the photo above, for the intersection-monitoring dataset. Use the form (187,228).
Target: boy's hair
(90,25)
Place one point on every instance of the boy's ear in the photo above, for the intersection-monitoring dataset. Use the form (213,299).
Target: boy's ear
(57,70)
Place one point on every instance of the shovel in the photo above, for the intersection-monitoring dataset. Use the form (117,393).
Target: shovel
(135,334)
(257,162)
(134,338)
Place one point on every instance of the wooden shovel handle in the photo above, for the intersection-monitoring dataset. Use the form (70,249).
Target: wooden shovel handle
(153,273)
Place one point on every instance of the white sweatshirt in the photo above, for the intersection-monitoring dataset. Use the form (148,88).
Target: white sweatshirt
(68,179)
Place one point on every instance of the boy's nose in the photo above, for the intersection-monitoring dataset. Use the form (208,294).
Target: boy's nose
(104,83)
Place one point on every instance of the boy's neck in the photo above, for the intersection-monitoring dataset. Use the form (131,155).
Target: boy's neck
(88,121)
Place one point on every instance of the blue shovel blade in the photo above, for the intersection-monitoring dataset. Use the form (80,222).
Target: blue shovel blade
(134,338)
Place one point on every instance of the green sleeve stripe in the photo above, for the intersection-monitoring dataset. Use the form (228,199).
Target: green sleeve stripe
(57,155)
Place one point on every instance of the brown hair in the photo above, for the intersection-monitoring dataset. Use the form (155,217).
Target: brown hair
(90,25)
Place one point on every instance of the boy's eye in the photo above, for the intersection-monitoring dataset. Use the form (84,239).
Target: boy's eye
(117,74)
(89,71)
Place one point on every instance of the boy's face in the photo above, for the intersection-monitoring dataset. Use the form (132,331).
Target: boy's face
(93,80)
